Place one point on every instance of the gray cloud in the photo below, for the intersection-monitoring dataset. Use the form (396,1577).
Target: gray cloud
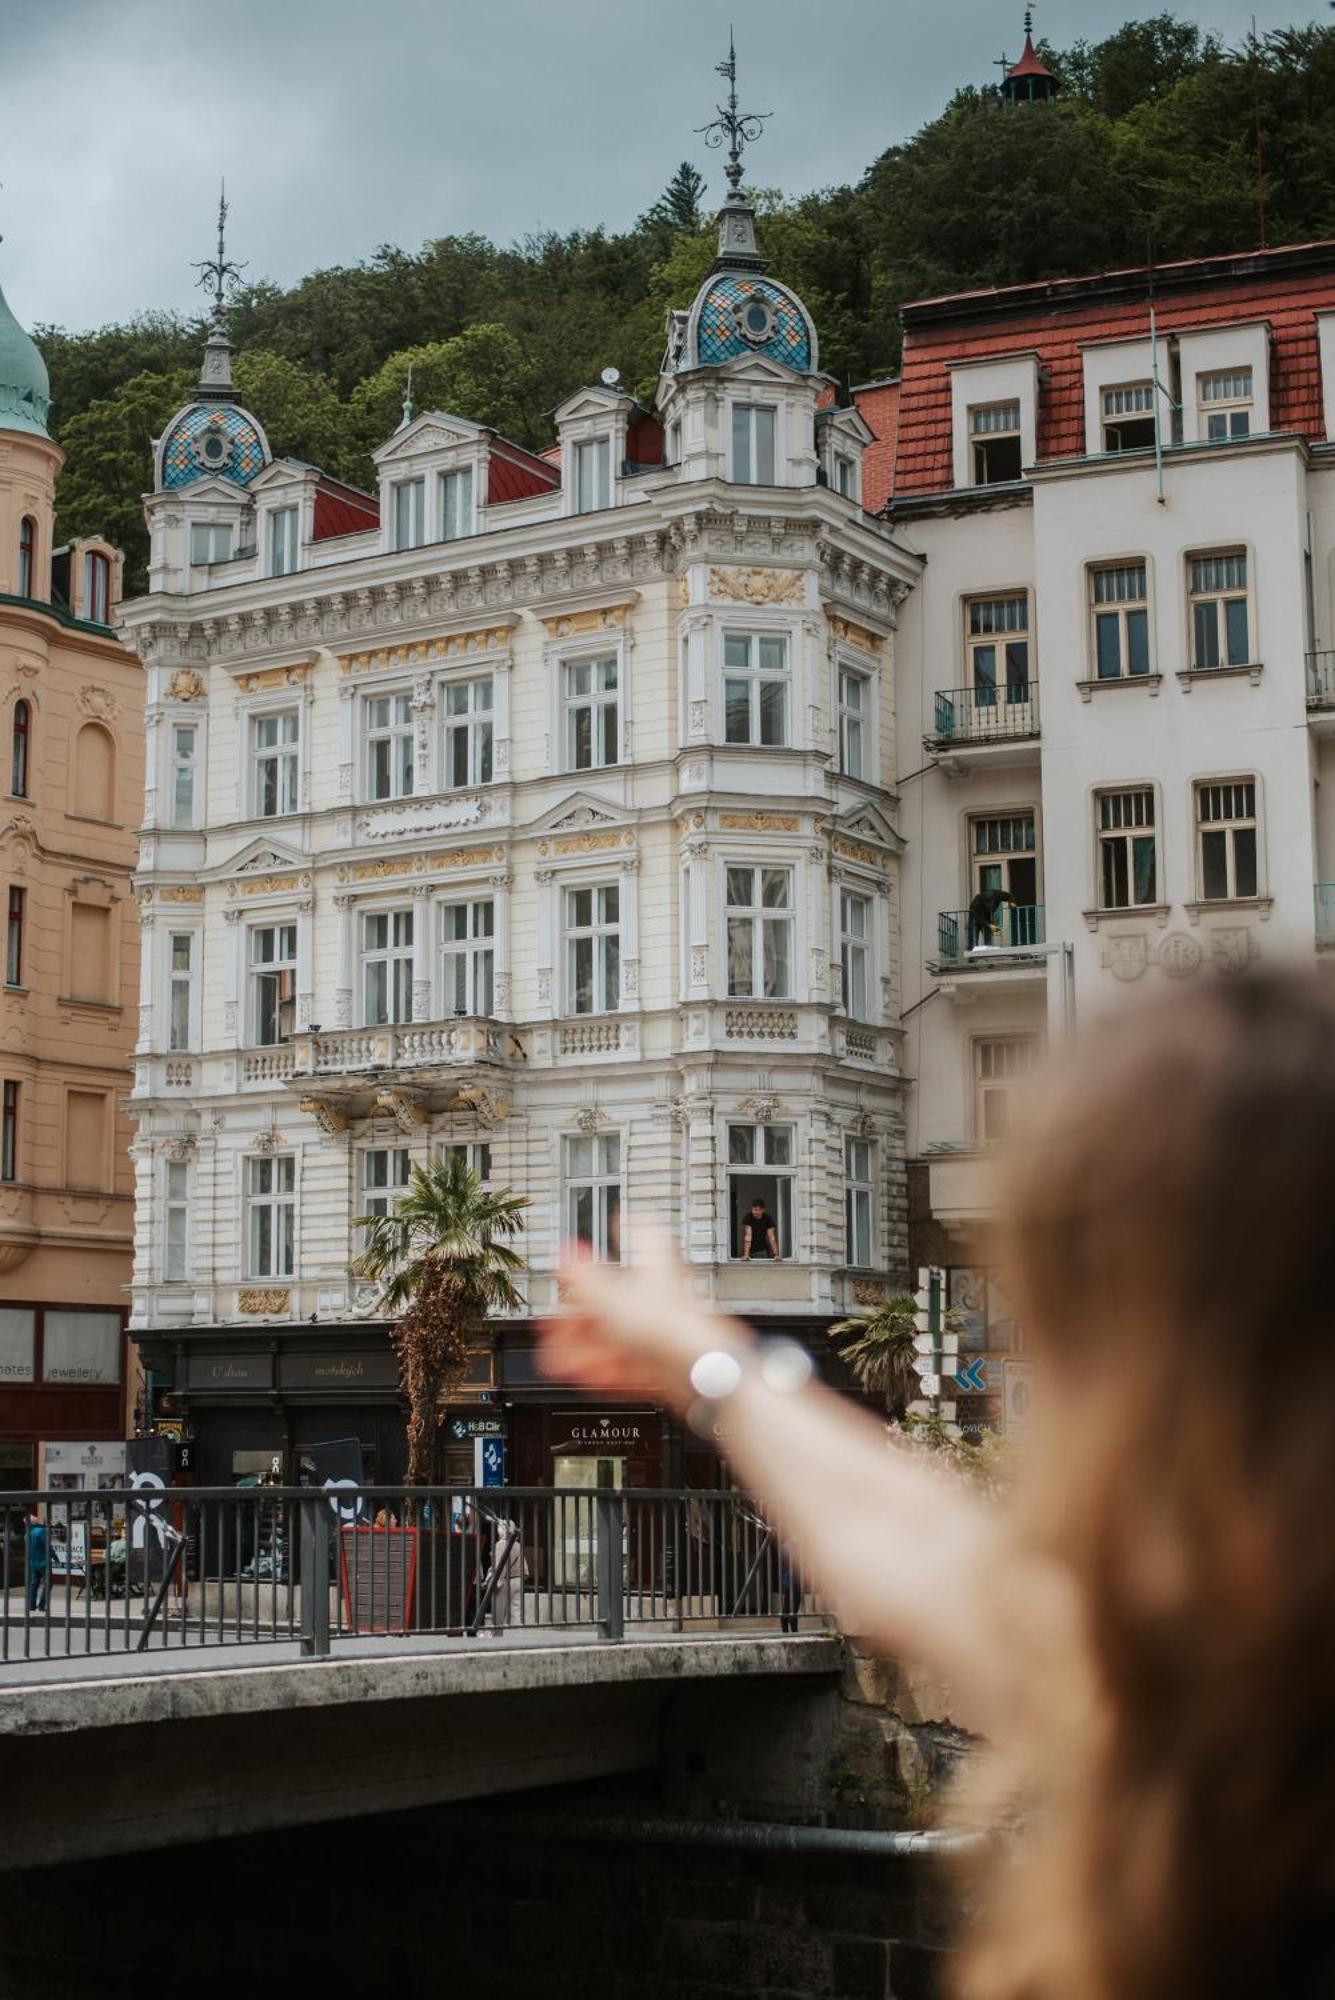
(341,125)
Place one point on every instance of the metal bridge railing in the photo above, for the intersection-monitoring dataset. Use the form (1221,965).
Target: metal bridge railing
(136,1569)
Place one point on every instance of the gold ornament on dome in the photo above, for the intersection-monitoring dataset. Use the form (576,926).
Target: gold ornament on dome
(759,586)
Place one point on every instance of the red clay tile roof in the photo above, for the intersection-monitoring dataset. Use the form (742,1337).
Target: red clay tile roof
(342,510)
(516,474)
(1055,320)
(1029,64)
(878,404)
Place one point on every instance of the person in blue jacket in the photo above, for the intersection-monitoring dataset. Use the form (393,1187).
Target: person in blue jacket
(39,1544)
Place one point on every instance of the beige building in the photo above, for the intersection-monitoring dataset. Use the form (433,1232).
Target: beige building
(71,767)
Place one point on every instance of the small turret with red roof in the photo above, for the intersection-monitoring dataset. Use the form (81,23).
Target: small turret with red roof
(1029,81)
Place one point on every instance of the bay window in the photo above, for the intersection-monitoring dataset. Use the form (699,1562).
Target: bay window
(759,915)
(185,741)
(180,988)
(755,687)
(754,426)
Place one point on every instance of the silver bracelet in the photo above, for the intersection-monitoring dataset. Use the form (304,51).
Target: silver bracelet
(716,1376)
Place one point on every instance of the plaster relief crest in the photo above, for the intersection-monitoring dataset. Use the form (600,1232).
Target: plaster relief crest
(758,586)
(185,685)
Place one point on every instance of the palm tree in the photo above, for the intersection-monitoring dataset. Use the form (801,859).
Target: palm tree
(879,1348)
(443,1260)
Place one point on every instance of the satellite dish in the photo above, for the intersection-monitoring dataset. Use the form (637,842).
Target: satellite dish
(610,377)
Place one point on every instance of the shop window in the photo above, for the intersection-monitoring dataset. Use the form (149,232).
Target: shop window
(273,983)
(14,937)
(593,949)
(858,1203)
(81,1347)
(994,431)
(755,688)
(760,1191)
(1128,849)
(469,732)
(18,1345)
(1128,416)
(387,967)
(271,1193)
(1224,404)
(468,957)
(94,794)
(1226,837)
(389,746)
(1119,610)
(760,933)
(20,745)
(593,1193)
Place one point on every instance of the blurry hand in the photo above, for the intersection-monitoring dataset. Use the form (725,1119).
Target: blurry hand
(633,1330)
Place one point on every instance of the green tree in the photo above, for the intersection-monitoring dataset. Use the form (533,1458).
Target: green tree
(109,465)
(879,1348)
(444,1261)
(678,207)
(483,373)
(299,409)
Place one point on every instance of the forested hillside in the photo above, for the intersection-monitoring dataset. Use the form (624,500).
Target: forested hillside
(1154,138)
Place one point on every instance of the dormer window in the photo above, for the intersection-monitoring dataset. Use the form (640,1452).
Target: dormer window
(407,514)
(845,476)
(282,541)
(994,431)
(593,475)
(1225,403)
(753,438)
(1128,417)
(210,542)
(96,588)
(456,504)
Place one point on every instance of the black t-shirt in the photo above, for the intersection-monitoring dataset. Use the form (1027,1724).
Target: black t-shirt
(760,1227)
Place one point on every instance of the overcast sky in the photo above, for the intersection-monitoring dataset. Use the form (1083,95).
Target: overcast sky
(343,124)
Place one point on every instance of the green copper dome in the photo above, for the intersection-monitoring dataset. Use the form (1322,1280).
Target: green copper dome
(25,388)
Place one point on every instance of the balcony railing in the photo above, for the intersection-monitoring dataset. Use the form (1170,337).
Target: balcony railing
(985,715)
(1321,680)
(1325,914)
(963,942)
(408,1045)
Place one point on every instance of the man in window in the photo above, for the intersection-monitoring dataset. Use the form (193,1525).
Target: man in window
(760,1237)
(983,915)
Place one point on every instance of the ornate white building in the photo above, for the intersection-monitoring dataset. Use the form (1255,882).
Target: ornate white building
(540,807)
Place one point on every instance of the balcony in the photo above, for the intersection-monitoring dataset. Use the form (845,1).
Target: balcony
(1321,687)
(1011,949)
(984,725)
(414,1045)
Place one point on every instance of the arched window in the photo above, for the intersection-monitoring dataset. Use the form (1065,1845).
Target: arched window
(18,750)
(96,588)
(27,555)
(94,773)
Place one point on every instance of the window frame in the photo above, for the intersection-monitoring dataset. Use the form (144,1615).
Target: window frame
(394,959)
(764,1141)
(394,735)
(280,1203)
(476,724)
(285,751)
(783,916)
(450,481)
(605,1186)
(27,565)
(1138,413)
(1228,826)
(599,702)
(603,937)
(210,531)
(998,434)
(411,491)
(189,766)
(983,634)
(180,980)
(15,916)
(748,447)
(96,587)
(755,677)
(1003,1084)
(854,946)
(476,1155)
(1222,596)
(377,1198)
(176,1222)
(591,496)
(283,969)
(1124,838)
(476,950)
(20,749)
(1230,406)
(858,720)
(1117,612)
(859,1201)
(10,1105)
(283,540)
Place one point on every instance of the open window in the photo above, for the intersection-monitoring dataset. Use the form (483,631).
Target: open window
(994,431)
(1128,416)
(760,1190)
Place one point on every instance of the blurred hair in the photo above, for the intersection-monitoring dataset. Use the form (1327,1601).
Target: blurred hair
(1172,1259)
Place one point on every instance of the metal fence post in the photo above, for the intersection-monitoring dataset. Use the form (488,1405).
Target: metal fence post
(314,1577)
(611,1517)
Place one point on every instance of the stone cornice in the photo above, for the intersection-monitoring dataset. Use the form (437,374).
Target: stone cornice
(349,610)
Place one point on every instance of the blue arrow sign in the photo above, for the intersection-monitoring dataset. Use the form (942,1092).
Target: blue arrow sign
(971,1376)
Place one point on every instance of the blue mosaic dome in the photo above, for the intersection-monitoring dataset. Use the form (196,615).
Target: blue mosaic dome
(738,314)
(211,440)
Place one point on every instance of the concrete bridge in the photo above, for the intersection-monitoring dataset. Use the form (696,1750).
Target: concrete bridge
(103,1755)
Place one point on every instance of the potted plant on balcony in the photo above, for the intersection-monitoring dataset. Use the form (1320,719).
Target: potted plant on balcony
(444,1259)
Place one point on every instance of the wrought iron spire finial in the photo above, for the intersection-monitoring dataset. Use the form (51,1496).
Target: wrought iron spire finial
(1029,19)
(218,274)
(733,127)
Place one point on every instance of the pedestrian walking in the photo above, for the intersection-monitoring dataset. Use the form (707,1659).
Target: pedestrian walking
(1146,1634)
(39,1560)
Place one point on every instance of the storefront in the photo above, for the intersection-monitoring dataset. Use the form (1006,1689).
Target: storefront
(62,1390)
